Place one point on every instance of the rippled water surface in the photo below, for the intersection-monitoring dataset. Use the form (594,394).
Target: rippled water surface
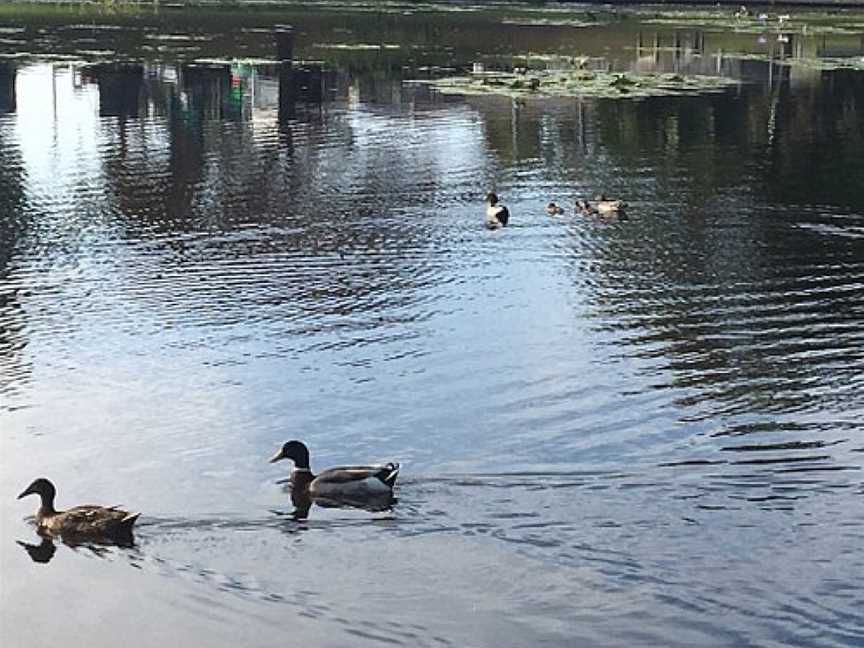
(641,430)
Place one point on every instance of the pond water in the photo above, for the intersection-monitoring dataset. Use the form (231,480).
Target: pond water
(636,430)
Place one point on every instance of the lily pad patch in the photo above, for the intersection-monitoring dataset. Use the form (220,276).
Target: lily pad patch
(580,83)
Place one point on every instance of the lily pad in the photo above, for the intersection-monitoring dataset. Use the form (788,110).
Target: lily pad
(579,83)
(550,22)
(803,22)
(358,46)
(807,62)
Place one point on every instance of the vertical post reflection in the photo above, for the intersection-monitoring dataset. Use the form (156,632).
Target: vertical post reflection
(7,88)
(120,88)
(285,72)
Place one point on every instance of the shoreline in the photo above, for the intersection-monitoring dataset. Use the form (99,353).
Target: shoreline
(279,4)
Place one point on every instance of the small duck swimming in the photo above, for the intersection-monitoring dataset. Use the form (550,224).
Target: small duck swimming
(585,208)
(353,485)
(554,209)
(497,215)
(88,521)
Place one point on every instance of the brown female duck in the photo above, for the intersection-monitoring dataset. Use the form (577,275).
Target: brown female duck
(81,521)
(353,484)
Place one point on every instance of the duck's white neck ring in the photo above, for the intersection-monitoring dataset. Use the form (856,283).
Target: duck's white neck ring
(309,470)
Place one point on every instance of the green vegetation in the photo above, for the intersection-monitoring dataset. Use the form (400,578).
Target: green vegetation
(580,83)
(794,21)
(808,62)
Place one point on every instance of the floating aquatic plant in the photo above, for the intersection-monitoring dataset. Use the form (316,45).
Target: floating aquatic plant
(550,22)
(808,62)
(805,22)
(581,83)
(358,46)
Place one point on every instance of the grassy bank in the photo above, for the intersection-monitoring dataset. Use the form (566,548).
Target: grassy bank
(420,6)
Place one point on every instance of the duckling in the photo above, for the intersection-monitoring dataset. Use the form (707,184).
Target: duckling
(554,209)
(585,208)
(350,484)
(107,522)
(497,215)
(605,205)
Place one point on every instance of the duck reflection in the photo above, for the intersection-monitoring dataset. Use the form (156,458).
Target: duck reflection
(303,501)
(41,553)
(45,550)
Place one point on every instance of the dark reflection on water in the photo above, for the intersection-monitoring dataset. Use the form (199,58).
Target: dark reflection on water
(100,548)
(303,502)
(41,553)
(613,431)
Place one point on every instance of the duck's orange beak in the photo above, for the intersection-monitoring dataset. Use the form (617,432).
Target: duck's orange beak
(277,457)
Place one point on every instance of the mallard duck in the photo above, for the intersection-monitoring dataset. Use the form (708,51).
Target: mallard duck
(81,521)
(352,484)
(605,205)
(554,209)
(497,214)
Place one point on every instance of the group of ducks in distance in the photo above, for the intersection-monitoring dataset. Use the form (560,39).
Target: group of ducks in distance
(497,215)
(361,486)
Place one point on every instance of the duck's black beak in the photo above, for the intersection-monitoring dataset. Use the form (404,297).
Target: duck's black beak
(25,493)
(277,457)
